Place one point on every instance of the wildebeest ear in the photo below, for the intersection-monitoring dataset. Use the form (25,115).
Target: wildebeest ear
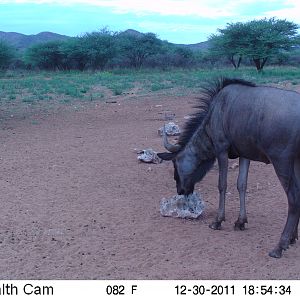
(166,155)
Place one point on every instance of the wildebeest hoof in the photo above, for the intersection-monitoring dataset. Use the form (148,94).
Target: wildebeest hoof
(215,225)
(239,226)
(294,238)
(276,253)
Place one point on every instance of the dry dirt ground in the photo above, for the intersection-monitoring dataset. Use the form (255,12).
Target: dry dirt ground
(76,203)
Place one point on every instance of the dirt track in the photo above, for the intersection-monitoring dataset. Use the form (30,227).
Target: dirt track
(76,204)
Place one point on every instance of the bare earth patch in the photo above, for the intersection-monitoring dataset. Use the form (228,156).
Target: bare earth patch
(77,204)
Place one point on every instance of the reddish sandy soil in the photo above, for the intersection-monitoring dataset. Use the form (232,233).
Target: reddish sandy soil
(76,203)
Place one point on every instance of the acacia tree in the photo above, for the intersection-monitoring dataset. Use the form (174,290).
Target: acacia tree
(183,57)
(258,40)
(100,47)
(92,50)
(6,55)
(229,43)
(266,38)
(136,48)
(75,54)
(45,55)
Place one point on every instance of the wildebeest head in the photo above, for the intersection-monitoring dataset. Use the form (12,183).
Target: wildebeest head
(189,168)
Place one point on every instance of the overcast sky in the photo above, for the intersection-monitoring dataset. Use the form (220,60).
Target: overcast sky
(178,21)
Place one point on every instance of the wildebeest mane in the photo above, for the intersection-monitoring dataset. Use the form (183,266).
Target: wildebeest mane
(208,92)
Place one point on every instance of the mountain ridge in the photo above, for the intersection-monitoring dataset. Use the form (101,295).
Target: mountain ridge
(23,41)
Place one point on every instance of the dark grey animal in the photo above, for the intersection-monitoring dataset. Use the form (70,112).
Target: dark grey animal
(238,119)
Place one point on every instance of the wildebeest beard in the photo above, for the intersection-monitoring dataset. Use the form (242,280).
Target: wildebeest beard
(204,167)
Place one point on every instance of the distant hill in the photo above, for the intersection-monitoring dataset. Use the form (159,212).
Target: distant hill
(22,41)
(195,47)
(132,32)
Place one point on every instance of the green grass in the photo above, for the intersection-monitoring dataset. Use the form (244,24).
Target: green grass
(64,87)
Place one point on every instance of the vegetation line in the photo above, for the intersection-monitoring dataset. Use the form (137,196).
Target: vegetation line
(255,43)
(31,87)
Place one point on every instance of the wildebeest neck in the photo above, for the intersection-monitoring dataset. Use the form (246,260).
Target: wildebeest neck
(201,145)
(204,107)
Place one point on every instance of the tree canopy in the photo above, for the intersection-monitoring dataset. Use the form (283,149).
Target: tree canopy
(137,48)
(254,42)
(6,55)
(99,47)
(95,50)
(258,40)
(45,55)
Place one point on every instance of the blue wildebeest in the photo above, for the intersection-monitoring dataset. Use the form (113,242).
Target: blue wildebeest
(238,119)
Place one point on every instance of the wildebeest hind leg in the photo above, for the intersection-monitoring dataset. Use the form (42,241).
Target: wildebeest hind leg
(290,180)
(297,199)
(295,234)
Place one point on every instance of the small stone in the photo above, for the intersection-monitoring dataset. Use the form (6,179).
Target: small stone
(169,116)
(234,166)
(180,206)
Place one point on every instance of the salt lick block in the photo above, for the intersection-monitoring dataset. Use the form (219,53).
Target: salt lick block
(180,206)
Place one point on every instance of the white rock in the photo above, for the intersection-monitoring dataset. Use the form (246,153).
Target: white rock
(234,166)
(180,206)
(149,156)
(171,129)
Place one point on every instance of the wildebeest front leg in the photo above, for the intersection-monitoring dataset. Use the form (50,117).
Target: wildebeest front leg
(242,187)
(223,169)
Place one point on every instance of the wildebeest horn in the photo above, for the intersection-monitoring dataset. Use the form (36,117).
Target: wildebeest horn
(170,147)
